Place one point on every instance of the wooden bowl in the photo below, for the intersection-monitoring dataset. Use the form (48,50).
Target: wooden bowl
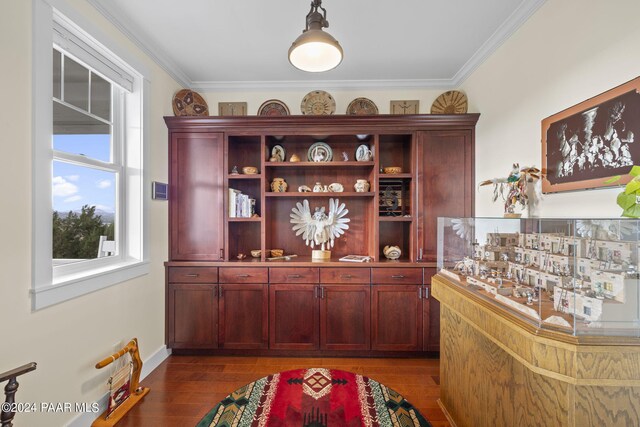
(277,252)
(392,169)
(249,170)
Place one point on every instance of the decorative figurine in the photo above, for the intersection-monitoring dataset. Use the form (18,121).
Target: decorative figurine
(234,171)
(304,189)
(318,188)
(345,156)
(294,158)
(320,228)
(523,187)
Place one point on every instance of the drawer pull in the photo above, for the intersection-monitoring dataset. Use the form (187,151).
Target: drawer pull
(397,276)
(243,276)
(293,276)
(426,293)
(346,276)
(420,293)
(192,275)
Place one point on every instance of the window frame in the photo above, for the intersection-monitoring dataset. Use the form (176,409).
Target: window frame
(52,285)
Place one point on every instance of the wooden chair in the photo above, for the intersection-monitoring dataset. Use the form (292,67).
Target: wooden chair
(10,390)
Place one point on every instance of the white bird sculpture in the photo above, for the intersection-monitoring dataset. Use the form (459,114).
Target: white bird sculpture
(320,228)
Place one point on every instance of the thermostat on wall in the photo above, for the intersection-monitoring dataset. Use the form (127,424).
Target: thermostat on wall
(159,190)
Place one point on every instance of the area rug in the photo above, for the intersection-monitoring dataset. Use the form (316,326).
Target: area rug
(315,397)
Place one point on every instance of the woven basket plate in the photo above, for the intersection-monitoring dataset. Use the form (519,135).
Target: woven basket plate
(451,102)
(189,103)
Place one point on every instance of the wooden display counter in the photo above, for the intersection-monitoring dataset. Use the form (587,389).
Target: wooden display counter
(499,370)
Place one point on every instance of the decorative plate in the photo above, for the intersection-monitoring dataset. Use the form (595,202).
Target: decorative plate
(320,152)
(362,106)
(189,103)
(450,102)
(273,107)
(318,102)
(279,153)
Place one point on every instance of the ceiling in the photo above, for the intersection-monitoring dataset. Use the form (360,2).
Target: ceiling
(243,44)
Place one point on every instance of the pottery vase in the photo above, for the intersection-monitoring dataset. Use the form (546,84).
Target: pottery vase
(279,185)
(392,252)
(361,186)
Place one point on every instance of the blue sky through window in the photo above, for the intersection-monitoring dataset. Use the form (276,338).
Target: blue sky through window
(74,185)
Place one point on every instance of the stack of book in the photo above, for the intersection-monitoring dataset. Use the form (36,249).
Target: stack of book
(241,205)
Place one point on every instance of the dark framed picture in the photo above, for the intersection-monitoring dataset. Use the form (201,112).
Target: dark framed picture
(595,140)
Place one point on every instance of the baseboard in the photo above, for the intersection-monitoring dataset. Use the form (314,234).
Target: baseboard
(86,418)
(446,413)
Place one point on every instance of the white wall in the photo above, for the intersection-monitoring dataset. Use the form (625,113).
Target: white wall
(567,52)
(66,340)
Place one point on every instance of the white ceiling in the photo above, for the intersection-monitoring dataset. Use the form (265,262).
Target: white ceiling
(243,44)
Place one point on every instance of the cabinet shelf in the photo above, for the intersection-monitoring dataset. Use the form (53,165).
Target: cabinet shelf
(395,218)
(322,194)
(244,219)
(254,176)
(349,164)
(395,176)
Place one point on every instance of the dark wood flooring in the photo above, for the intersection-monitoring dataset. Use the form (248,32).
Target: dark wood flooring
(185,388)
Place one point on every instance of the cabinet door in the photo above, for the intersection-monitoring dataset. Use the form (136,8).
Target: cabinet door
(430,314)
(293,317)
(446,181)
(345,320)
(243,316)
(193,316)
(396,316)
(196,196)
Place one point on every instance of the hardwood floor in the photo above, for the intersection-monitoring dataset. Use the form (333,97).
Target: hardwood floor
(185,388)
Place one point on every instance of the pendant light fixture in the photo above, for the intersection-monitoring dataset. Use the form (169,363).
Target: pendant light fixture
(315,50)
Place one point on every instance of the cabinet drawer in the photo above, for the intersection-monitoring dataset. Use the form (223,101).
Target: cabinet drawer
(243,275)
(405,276)
(345,275)
(193,274)
(294,275)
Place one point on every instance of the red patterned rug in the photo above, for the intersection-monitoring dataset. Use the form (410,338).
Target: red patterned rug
(314,397)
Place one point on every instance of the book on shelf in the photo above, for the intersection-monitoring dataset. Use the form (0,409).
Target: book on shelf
(355,258)
(241,205)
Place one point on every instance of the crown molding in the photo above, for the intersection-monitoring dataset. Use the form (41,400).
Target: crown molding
(227,86)
(508,27)
(157,55)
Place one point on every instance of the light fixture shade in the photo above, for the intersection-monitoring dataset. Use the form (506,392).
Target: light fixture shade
(315,51)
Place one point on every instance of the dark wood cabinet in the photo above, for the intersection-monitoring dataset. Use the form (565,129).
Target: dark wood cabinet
(430,314)
(243,316)
(294,323)
(345,319)
(446,173)
(192,315)
(396,317)
(195,190)
(220,297)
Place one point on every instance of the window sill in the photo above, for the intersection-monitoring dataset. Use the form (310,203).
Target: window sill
(74,285)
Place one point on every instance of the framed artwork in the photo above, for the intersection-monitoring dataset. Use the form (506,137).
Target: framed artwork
(405,107)
(232,108)
(585,145)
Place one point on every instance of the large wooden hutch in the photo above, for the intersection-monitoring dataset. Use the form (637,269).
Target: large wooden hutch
(218,303)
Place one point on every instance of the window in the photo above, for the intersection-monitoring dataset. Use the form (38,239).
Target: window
(88,163)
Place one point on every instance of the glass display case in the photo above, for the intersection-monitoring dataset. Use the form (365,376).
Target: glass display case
(577,276)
